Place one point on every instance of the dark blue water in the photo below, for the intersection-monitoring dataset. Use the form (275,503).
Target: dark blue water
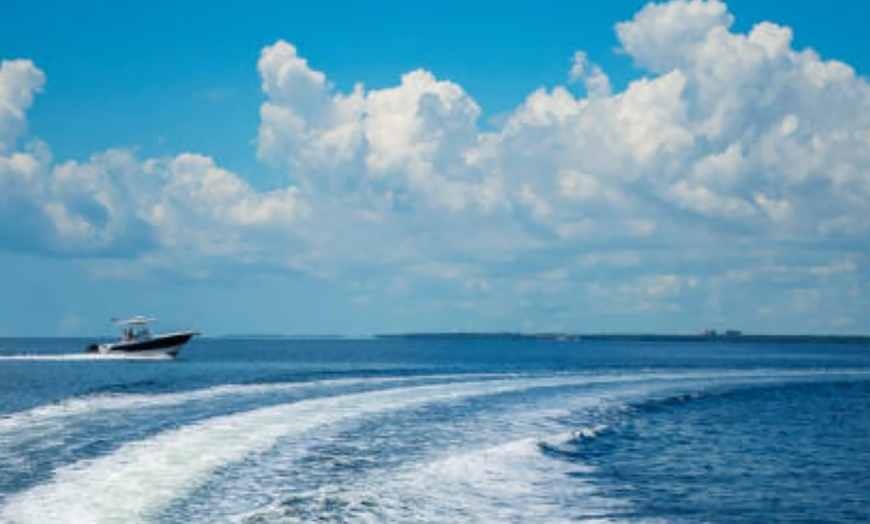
(416,430)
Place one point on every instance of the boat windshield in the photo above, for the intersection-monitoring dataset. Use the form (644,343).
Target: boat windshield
(136,333)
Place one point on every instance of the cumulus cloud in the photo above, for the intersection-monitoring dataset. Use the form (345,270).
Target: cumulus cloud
(736,137)
(731,138)
(116,205)
(19,81)
(662,36)
(406,144)
(593,77)
(734,129)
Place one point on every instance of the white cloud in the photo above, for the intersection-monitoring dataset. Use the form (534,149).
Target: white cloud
(732,138)
(19,80)
(593,77)
(303,127)
(399,147)
(21,166)
(117,205)
(664,36)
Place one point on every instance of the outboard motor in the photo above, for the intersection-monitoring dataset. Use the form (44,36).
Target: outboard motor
(92,348)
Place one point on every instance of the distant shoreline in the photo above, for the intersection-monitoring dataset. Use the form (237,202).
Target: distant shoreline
(575,337)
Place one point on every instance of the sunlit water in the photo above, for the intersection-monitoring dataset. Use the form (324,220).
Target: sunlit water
(268,431)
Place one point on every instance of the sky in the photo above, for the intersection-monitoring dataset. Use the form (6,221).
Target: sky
(354,168)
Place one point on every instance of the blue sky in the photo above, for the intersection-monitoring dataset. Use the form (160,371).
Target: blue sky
(356,168)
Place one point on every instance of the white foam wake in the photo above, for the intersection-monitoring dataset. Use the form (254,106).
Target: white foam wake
(63,357)
(510,482)
(141,477)
(19,422)
(503,482)
(33,423)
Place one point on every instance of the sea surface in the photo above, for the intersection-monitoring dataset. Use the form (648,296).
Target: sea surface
(436,430)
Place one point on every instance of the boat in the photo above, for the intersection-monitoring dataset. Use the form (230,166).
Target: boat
(138,341)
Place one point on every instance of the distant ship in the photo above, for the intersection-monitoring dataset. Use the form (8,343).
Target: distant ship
(137,340)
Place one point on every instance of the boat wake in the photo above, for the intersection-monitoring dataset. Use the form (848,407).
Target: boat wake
(80,357)
(451,449)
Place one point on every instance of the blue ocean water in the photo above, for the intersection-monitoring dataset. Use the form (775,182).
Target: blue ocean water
(436,430)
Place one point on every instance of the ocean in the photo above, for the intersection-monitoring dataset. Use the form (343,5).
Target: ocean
(436,430)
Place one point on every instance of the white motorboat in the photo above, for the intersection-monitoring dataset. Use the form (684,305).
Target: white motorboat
(137,340)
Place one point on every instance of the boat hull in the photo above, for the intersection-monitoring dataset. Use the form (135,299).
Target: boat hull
(169,345)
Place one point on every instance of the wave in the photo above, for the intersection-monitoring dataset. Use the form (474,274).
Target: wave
(573,447)
(56,434)
(63,357)
(88,404)
(144,476)
(507,482)
(19,423)
(138,479)
(724,389)
(46,417)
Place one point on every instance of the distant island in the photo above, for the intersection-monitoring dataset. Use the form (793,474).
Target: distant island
(728,336)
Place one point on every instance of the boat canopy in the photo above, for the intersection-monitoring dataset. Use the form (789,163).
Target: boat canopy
(138,320)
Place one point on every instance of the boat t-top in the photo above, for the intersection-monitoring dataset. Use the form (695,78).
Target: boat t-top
(137,340)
